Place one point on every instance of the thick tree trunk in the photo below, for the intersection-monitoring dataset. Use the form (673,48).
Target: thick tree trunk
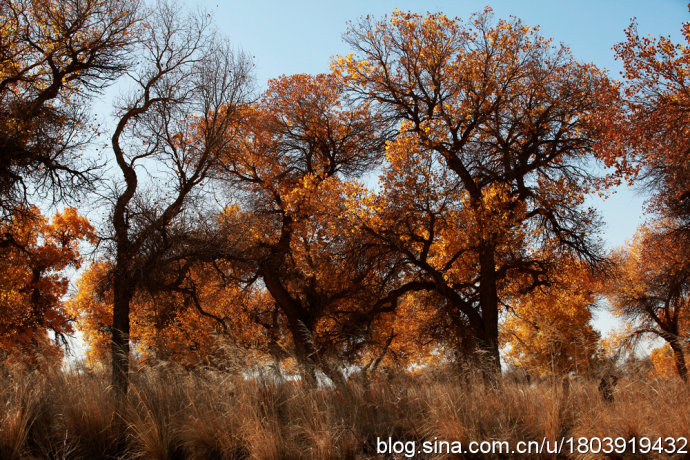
(305,352)
(299,323)
(308,356)
(488,295)
(679,358)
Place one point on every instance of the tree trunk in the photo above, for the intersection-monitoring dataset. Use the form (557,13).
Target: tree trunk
(120,337)
(308,355)
(305,352)
(679,358)
(488,296)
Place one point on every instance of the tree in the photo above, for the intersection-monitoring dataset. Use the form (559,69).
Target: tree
(654,133)
(54,55)
(502,122)
(175,126)
(650,144)
(188,325)
(415,334)
(651,288)
(303,141)
(33,256)
(548,331)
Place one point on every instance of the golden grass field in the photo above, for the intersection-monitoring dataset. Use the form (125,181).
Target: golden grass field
(174,413)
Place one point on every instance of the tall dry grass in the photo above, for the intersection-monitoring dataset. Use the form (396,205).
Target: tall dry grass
(173,413)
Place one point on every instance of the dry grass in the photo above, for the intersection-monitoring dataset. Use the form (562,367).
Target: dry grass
(174,413)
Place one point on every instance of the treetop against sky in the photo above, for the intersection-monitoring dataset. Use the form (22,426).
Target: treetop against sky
(302,37)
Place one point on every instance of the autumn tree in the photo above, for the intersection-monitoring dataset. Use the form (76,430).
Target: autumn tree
(663,362)
(549,330)
(496,127)
(188,320)
(654,133)
(54,56)
(651,288)
(651,146)
(169,135)
(415,334)
(302,142)
(33,257)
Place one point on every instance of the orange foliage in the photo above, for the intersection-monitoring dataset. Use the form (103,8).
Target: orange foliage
(485,180)
(479,216)
(549,331)
(167,325)
(302,144)
(651,287)
(656,133)
(664,363)
(33,257)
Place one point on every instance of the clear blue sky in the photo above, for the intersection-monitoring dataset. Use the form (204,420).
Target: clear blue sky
(289,37)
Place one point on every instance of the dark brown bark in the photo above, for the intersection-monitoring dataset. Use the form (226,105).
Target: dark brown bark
(122,294)
(301,327)
(679,359)
(488,293)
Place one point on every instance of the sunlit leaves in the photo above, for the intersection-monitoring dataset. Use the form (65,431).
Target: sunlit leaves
(486,179)
(34,257)
(548,331)
(172,325)
(655,131)
(651,288)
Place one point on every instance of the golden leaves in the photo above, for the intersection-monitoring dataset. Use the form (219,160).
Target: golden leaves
(167,325)
(548,330)
(650,285)
(34,254)
(651,133)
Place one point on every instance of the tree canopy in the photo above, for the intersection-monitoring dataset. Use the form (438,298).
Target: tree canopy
(496,127)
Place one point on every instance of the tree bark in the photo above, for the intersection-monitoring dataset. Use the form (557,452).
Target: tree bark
(488,295)
(120,334)
(679,358)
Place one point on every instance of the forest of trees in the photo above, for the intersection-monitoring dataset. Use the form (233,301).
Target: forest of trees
(423,202)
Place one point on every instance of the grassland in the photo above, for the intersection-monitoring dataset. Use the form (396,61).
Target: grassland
(175,413)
